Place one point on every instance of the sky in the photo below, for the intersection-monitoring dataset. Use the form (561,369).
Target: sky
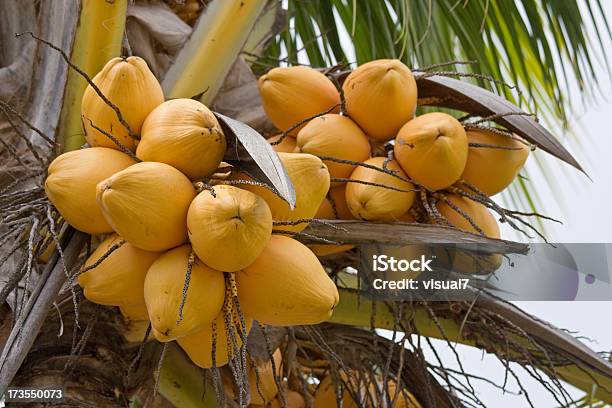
(584,206)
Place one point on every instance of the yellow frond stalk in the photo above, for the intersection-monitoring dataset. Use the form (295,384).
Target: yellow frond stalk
(98,39)
(206,59)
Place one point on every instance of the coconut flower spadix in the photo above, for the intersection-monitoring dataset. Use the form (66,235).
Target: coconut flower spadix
(334,136)
(229,230)
(373,203)
(381,96)
(432,150)
(310,179)
(292,94)
(118,280)
(185,134)
(71,185)
(492,169)
(286,285)
(163,292)
(147,205)
(131,86)
(198,345)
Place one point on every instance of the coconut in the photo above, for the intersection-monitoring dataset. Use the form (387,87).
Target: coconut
(404,398)
(492,169)
(463,261)
(372,203)
(147,205)
(131,86)
(325,395)
(118,279)
(432,150)
(135,312)
(334,136)
(292,398)
(286,285)
(310,179)
(198,346)
(185,134)
(229,230)
(262,383)
(71,185)
(293,94)
(287,145)
(163,292)
(326,212)
(381,96)
(479,214)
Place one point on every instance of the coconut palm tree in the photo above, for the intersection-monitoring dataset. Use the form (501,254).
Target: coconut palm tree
(213,50)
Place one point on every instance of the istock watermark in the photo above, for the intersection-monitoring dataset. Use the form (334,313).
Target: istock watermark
(383,263)
(463,272)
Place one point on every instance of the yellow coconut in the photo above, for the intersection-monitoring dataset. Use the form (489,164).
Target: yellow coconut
(286,285)
(163,292)
(71,185)
(135,312)
(491,169)
(464,261)
(119,278)
(185,134)
(131,86)
(136,330)
(406,217)
(292,398)
(286,146)
(147,205)
(262,385)
(432,150)
(334,136)
(326,212)
(325,395)
(372,203)
(293,94)
(229,230)
(381,96)
(479,214)
(404,398)
(310,179)
(198,346)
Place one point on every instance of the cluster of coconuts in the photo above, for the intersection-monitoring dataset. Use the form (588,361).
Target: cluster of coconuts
(160,229)
(432,152)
